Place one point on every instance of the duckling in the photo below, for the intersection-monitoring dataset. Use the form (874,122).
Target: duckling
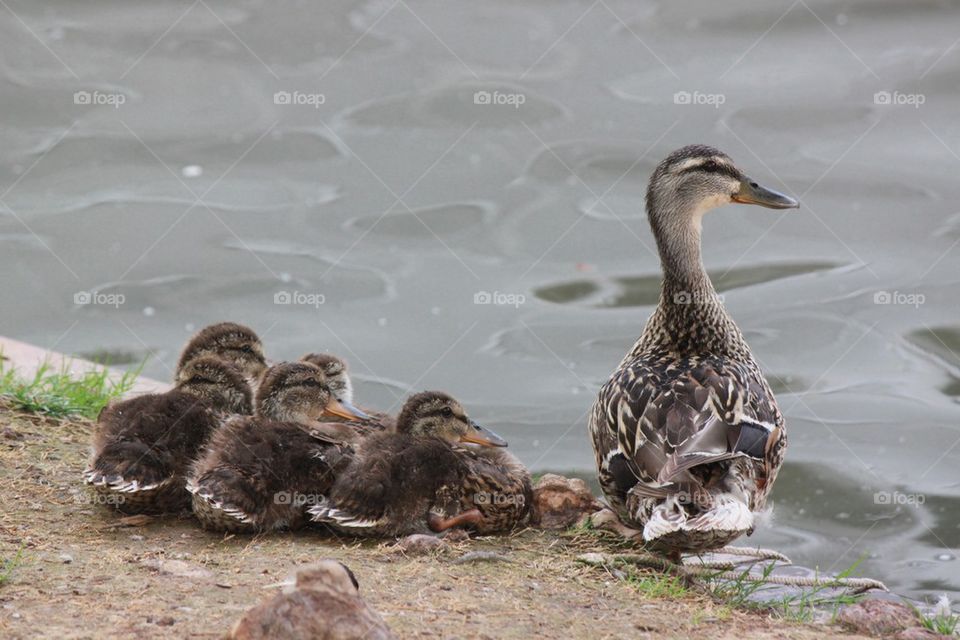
(325,604)
(259,473)
(142,447)
(228,340)
(338,377)
(335,369)
(687,433)
(438,462)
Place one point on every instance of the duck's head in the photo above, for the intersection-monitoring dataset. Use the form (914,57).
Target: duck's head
(328,575)
(218,381)
(433,413)
(336,371)
(697,178)
(299,392)
(232,342)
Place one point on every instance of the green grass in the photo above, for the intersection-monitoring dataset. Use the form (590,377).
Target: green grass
(656,585)
(800,607)
(945,623)
(7,566)
(60,393)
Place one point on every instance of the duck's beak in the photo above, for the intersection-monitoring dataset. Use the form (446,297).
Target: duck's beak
(342,409)
(753,193)
(482,436)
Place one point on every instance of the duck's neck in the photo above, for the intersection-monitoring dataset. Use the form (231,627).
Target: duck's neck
(690,318)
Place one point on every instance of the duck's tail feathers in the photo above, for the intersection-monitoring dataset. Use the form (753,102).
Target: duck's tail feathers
(215,514)
(325,513)
(727,513)
(129,466)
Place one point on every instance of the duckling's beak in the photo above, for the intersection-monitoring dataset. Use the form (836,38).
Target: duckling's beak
(482,436)
(342,409)
(753,193)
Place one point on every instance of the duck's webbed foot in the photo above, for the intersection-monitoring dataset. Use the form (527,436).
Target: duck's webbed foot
(438,523)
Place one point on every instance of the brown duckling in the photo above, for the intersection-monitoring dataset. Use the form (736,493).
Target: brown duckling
(260,473)
(338,377)
(231,341)
(142,447)
(440,469)
(324,604)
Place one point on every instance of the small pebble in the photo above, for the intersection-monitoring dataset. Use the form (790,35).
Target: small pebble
(65,558)
(481,556)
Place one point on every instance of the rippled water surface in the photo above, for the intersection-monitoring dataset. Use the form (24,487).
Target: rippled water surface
(397,161)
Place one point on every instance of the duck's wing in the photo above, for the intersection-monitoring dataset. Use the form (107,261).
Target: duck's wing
(653,424)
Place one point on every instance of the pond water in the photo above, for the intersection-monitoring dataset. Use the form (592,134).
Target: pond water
(450,195)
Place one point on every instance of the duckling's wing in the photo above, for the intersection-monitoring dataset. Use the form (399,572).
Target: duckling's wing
(652,424)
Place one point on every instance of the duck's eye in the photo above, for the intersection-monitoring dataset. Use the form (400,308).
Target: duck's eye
(710,166)
(447,412)
(246,348)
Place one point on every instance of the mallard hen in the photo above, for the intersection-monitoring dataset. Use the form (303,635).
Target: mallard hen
(687,434)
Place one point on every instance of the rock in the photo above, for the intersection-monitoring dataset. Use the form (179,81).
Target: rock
(878,617)
(65,558)
(481,556)
(420,544)
(324,603)
(560,502)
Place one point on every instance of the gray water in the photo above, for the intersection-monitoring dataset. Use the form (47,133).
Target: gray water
(179,181)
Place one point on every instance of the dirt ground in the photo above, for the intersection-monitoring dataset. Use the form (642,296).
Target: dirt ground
(83,573)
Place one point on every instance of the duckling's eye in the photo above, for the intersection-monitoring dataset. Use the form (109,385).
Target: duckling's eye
(710,166)
(246,348)
(447,412)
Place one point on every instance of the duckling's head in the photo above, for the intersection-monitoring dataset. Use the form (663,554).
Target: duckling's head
(335,369)
(298,392)
(218,381)
(328,575)
(697,178)
(232,342)
(433,413)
